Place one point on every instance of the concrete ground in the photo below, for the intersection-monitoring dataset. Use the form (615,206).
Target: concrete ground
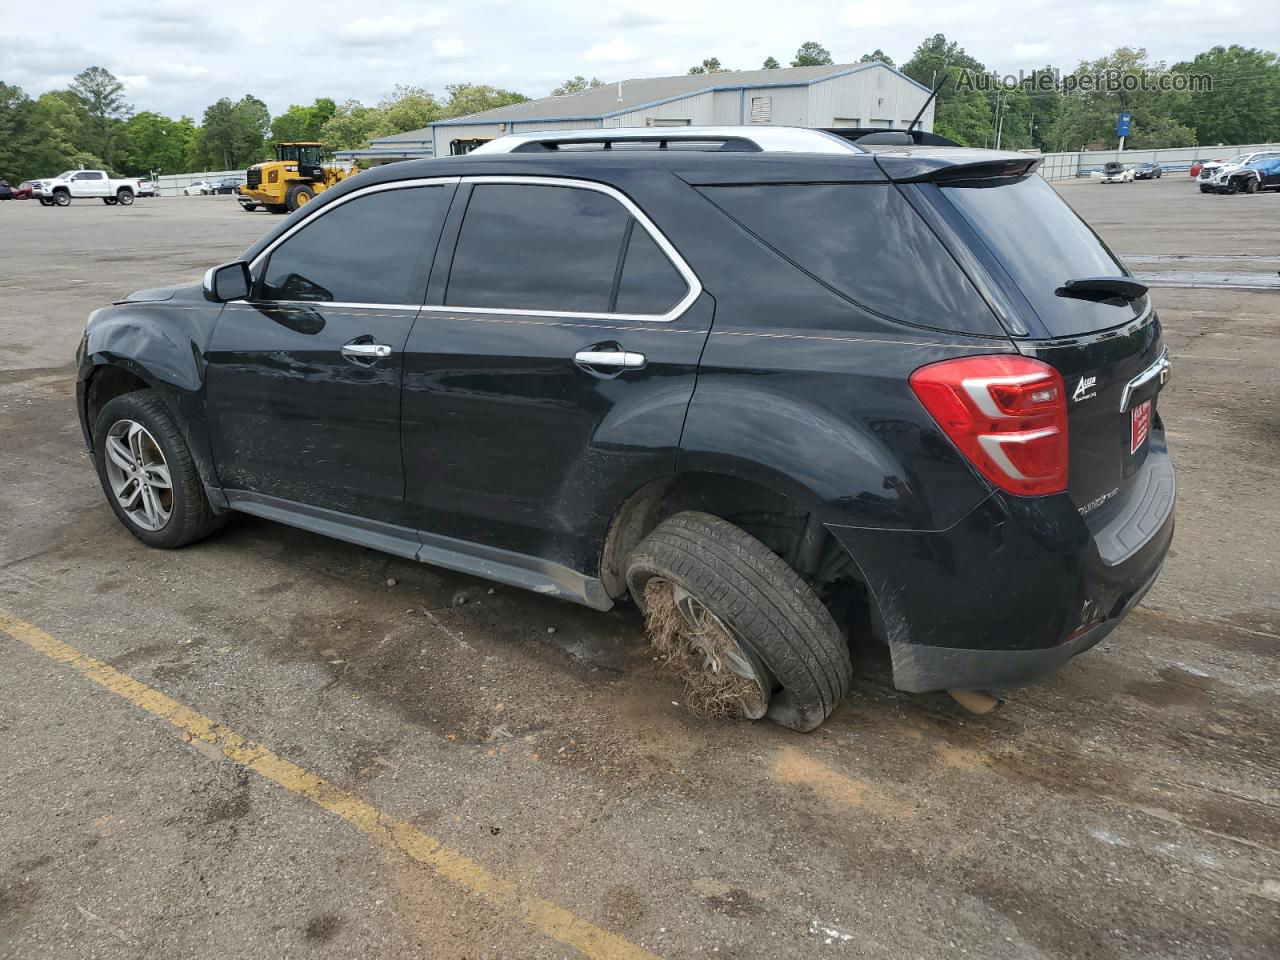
(494,789)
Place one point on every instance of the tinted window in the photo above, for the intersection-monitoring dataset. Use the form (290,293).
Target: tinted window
(374,249)
(525,247)
(650,283)
(1043,243)
(865,242)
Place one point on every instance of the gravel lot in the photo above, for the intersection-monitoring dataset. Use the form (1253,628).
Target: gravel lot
(510,774)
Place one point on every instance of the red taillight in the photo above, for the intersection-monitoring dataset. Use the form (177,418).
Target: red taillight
(1007,414)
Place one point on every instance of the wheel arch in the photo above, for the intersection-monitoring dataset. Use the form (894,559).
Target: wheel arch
(788,522)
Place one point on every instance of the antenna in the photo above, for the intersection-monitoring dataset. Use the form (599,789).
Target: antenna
(928,100)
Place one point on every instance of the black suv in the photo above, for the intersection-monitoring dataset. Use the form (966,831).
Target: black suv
(765,381)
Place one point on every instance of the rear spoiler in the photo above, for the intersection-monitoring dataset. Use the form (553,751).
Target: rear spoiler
(989,171)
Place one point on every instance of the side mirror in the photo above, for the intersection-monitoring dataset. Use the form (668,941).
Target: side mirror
(231,281)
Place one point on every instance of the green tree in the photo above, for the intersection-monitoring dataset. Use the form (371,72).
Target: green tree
(937,57)
(234,133)
(20,133)
(350,127)
(771,63)
(155,142)
(966,118)
(300,123)
(577,85)
(1243,105)
(812,54)
(103,98)
(468,98)
(876,55)
(1089,115)
(709,65)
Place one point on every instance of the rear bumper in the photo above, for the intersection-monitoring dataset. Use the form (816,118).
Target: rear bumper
(1016,588)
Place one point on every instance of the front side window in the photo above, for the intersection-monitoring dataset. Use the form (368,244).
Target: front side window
(373,249)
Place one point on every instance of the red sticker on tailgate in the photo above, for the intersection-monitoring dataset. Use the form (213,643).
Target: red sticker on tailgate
(1139,425)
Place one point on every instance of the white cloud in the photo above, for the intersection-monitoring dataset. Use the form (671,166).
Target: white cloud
(616,50)
(388,29)
(1030,51)
(865,13)
(449,48)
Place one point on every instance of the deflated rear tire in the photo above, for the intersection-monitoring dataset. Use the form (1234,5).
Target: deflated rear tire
(147,472)
(742,609)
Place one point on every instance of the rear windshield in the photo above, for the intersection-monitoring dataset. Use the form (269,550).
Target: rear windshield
(1043,244)
(867,244)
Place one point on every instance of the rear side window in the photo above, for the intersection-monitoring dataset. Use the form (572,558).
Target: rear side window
(649,283)
(373,249)
(526,247)
(1043,243)
(866,243)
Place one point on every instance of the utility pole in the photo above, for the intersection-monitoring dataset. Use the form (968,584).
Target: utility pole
(999,119)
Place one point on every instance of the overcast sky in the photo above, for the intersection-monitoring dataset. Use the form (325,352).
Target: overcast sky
(177,57)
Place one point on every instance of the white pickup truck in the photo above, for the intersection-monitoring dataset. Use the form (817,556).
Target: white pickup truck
(84,184)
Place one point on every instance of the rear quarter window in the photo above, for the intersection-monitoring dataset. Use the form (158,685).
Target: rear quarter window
(1043,243)
(866,243)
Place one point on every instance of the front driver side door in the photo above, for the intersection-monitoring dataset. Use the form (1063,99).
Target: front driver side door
(304,377)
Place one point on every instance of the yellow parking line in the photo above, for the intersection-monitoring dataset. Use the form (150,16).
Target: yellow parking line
(543,915)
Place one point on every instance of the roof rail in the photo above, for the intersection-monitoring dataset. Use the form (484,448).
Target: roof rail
(754,139)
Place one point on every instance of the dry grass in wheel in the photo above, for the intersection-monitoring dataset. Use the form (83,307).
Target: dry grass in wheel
(699,656)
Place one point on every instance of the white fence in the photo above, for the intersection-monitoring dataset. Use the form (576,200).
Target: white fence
(171,185)
(1064,166)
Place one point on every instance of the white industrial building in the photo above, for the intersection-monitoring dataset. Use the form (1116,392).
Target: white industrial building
(836,95)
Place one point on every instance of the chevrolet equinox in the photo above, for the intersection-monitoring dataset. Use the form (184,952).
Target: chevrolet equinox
(766,382)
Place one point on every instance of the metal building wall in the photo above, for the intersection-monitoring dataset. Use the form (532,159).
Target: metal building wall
(698,109)
(865,96)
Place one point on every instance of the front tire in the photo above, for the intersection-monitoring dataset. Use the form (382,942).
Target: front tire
(62,198)
(299,195)
(773,620)
(46,202)
(109,200)
(147,472)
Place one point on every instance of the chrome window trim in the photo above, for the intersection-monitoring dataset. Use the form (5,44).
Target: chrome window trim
(668,249)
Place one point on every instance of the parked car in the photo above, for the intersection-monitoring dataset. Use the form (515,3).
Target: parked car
(926,411)
(24,190)
(1196,166)
(1261,174)
(6,191)
(1148,171)
(86,185)
(228,185)
(199,188)
(1115,172)
(1211,170)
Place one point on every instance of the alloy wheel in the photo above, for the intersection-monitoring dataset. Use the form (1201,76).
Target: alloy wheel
(139,475)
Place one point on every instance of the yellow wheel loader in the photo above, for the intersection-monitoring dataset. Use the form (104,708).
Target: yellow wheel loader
(292,179)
